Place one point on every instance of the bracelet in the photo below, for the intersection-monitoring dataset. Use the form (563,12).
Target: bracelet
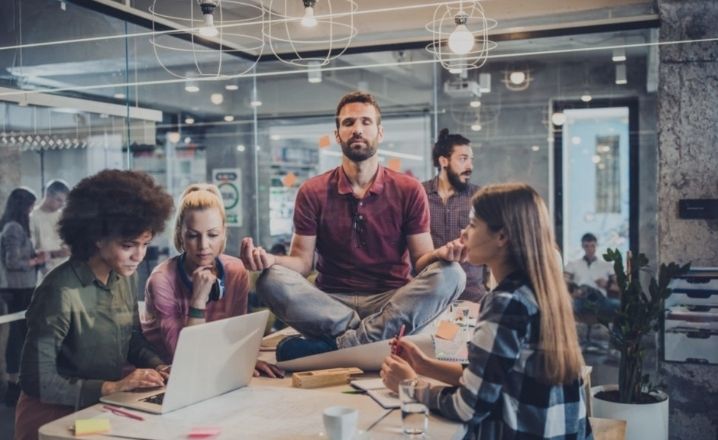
(196,313)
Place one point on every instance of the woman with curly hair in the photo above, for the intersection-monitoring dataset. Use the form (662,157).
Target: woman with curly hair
(523,377)
(83,323)
(18,274)
(202,283)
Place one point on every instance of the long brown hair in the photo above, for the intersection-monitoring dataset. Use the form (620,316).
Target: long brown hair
(522,214)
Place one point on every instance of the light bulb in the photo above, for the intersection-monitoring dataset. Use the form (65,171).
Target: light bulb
(216,98)
(461,41)
(309,20)
(558,118)
(517,77)
(208,30)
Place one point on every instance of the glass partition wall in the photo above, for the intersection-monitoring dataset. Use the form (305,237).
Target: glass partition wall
(83,89)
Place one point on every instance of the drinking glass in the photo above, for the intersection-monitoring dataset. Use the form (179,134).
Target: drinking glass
(414,414)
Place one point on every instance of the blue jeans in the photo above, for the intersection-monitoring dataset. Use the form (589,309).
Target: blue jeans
(360,319)
(594,302)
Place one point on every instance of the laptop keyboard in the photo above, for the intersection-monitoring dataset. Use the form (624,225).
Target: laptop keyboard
(156,399)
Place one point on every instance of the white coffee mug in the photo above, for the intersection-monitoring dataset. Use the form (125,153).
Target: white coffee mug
(340,422)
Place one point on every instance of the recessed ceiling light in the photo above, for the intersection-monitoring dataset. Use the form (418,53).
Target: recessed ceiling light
(558,118)
(231,87)
(216,98)
(241,148)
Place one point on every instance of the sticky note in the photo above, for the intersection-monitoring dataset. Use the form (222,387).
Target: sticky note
(91,426)
(325,141)
(204,432)
(446,330)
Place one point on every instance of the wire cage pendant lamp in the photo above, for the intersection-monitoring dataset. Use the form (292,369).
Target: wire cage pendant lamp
(460,39)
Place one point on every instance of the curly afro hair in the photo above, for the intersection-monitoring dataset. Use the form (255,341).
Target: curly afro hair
(112,204)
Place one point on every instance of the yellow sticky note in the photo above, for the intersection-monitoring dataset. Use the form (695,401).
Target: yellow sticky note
(91,426)
(447,330)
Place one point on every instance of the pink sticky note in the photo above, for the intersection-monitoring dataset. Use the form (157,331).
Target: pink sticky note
(204,432)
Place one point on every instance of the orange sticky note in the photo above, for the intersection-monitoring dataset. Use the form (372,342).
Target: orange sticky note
(289,180)
(447,330)
(394,164)
(91,426)
(325,141)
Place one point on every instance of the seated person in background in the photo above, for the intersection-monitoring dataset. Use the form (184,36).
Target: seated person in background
(449,196)
(201,284)
(523,379)
(368,226)
(590,279)
(83,323)
(43,224)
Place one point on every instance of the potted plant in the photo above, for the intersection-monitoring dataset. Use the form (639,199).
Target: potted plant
(635,399)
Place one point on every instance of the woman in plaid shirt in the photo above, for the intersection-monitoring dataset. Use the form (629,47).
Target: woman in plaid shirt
(523,377)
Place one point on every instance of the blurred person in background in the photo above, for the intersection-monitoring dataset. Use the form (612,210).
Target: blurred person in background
(43,224)
(19,263)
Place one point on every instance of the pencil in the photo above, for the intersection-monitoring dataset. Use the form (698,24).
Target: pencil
(395,349)
(122,412)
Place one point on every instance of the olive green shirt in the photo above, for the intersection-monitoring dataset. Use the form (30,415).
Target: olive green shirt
(80,333)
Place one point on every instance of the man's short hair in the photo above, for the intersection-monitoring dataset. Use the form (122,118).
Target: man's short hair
(588,237)
(444,146)
(55,187)
(362,97)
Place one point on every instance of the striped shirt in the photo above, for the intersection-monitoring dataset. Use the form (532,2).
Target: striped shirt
(447,221)
(501,395)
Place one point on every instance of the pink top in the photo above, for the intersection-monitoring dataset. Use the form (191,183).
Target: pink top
(361,244)
(167,301)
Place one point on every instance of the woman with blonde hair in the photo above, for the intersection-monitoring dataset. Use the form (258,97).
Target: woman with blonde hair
(200,285)
(523,377)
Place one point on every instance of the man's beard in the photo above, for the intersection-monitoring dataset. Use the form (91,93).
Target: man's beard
(455,180)
(359,154)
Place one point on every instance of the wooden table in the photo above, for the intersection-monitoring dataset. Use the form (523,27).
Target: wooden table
(233,414)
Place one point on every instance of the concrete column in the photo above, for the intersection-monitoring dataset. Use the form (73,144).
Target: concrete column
(687,168)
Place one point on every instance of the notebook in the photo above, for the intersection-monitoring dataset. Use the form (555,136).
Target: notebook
(452,351)
(202,370)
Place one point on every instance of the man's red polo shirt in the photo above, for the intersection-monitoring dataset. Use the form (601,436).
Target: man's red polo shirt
(361,243)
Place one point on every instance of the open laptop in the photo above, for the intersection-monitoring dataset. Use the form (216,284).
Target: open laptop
(210,359)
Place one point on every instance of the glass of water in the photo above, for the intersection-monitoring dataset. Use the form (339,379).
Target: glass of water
(414,414)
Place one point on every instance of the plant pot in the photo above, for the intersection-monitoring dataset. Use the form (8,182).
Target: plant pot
(644,420)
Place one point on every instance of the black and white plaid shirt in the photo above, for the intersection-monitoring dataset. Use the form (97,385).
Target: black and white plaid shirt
(501,395)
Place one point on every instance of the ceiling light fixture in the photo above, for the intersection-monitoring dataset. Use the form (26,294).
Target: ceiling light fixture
(558,119)
(231,87)
(208,7)
(517,77)
(619,55)
(586,97)
(189,120)
(460,35)
(314,72)
(190,86)
(475,103)
(119,96)
(621,74)
(173,136)
(461,40)
(241,148)
(517,80)
(309,20)
(216,98)
(229,118)
(476,126)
